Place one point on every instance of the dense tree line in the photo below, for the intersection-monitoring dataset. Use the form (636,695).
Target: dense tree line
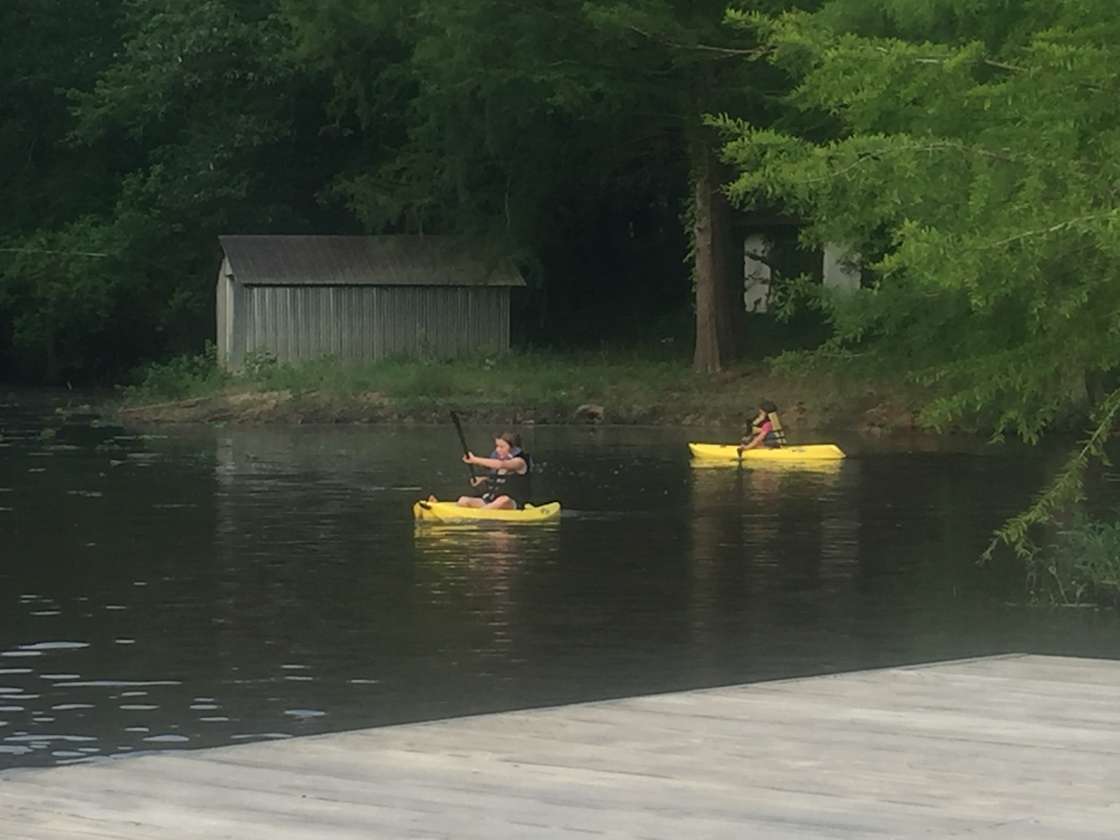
(965,151)
(571,131)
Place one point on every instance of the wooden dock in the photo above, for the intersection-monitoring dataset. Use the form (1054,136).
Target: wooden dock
(1002,748)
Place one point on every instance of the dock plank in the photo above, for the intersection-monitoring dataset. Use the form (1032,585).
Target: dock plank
(1015,746)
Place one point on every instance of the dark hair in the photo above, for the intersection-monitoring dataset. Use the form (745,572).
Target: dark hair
(768,406)
(512,438)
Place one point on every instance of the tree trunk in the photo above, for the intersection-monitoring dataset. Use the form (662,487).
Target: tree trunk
(714,302)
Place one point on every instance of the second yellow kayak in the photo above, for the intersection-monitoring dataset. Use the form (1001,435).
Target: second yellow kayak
(730,452)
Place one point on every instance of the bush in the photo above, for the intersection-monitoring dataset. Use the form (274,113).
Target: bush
(1083,564)
(179,377)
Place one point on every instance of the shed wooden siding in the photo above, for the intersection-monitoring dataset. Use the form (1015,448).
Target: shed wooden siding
(224,310)
(368,322)
(361,297)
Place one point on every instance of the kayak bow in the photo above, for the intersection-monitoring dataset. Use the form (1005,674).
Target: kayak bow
(424,511)
(730,453)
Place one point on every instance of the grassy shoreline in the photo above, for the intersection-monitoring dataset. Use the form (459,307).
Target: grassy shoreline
(519,388)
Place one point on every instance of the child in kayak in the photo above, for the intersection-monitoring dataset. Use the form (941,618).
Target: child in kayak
(509,484)
(766,429)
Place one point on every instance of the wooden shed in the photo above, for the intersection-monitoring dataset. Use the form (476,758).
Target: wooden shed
(361,297)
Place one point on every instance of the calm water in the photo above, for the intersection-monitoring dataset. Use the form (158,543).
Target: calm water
(193,587)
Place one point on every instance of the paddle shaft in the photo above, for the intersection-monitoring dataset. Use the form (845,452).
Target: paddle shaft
(463,441)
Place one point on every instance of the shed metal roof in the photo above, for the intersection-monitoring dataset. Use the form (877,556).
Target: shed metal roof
(366,261)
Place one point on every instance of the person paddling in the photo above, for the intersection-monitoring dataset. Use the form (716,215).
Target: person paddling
(509,484)
(766,429)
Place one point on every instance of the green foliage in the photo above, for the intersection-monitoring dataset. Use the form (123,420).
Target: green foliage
(481,115)
(259,364)
(1064,492)
(1081,566)
(516,377)
(62,287)
(534,124)
(179,378)
(153,126)
(46,48)
(175,123)
(631,385)
(976,174)
(50,290)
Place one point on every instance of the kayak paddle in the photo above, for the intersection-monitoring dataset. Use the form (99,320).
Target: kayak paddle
(463,441)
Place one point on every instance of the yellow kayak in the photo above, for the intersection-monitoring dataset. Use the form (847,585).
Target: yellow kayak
(424,511)
(762,465)
(730,453)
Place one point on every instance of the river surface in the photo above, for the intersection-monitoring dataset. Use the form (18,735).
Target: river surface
(188,587)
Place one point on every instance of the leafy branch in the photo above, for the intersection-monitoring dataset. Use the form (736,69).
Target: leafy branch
(49,251)
(757,52)
(1060,226)
(1065,491)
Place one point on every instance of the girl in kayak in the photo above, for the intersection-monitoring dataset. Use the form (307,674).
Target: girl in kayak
(509,484)
(766,429)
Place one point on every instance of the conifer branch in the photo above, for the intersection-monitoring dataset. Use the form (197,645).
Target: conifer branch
(756,52)
(1053,228)
(1065,490)
(48,251)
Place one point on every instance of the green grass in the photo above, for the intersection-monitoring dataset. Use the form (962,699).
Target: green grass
(543,386)
(524,378)
(1082,566)
(182,377)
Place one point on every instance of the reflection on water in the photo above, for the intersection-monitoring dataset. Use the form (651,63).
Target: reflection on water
(167,589)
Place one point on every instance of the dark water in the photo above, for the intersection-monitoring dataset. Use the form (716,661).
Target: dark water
(188,588)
